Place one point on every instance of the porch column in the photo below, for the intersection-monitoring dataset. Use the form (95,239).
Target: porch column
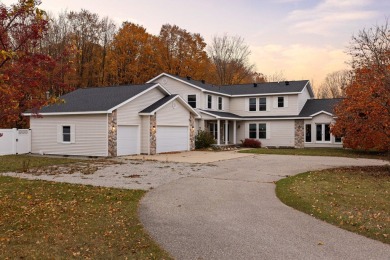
(218,132)
(226,131)
(234,132)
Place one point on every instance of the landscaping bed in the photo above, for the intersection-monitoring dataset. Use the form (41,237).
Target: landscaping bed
(356,198)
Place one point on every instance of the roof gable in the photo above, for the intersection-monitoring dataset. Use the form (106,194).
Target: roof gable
(314,107)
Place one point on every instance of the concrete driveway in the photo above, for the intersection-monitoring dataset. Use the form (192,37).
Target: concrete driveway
(232,212)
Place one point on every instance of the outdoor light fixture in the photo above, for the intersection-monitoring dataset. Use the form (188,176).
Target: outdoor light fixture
(113,128)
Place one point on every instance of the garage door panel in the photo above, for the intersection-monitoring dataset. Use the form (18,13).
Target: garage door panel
(172,138)
(127,140)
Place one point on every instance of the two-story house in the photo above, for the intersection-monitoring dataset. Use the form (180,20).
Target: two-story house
(164,115)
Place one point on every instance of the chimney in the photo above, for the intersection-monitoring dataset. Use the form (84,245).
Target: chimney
(287,83)
(203,81)
(188,77)
(254,85)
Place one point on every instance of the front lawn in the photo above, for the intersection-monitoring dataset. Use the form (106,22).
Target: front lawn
(356,199)
(337,152)
(14,163)
(47,220)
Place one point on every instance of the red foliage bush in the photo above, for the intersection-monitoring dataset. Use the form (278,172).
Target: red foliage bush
(252,143)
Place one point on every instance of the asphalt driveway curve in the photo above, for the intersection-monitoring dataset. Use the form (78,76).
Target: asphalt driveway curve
(233,213)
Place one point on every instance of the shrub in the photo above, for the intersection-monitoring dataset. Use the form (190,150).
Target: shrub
(252,143)
(203,139)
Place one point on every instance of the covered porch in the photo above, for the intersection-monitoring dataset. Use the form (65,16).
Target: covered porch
(223,126)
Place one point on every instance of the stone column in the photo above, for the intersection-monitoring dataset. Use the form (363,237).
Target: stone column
(152,134)
(192,132)
(299,133)
(112,134)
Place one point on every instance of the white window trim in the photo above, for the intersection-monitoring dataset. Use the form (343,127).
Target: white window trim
(218,99)
(196,100)
(267,130)
(60,134)
(322,134)
(207,102)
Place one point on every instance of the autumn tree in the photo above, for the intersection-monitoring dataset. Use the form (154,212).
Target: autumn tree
(132,56)
(230,59)
(182,53)
(334,84)
(363,117)
(26,74)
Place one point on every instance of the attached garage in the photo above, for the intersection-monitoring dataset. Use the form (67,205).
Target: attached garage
(172,139)
(127,140)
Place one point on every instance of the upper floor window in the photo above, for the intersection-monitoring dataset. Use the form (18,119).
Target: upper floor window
(220,103)
(263,104)
(252,104)
(209,101)
(191,99)
(280,101)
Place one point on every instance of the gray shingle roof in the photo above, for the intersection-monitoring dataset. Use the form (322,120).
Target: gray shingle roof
(313,106)
(250,89)
(95,99)
(222,114)
(158,104)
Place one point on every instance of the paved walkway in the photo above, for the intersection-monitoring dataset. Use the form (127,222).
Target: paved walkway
(232,212)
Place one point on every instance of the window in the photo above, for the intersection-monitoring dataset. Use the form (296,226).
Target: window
(209,101)
(323,132)
(66,134)
(337,139)
(252,131)
(308,133)
(213,130)
(263,104)
(280,101)
(220,103)
(252,104)
(191,99)
(262,131)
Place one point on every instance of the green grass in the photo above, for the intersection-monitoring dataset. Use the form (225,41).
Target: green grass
(356,199)
(14,163)
(47,220)
(337,152)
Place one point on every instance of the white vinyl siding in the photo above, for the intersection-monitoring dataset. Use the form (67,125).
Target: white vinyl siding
(182,89)
(302,98)
(128,114)
(145,134)
(90,133)
(278,133)
(240,106)
(173,113)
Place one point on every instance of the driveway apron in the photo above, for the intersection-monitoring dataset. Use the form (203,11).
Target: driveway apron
(232,212)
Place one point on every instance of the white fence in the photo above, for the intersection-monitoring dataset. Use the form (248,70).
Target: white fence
(15,141)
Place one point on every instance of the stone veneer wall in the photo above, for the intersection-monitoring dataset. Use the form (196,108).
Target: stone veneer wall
(112,134)
(192,132)
(299,133)
(152,134)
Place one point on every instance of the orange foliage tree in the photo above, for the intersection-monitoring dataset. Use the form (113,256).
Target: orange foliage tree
(363,117)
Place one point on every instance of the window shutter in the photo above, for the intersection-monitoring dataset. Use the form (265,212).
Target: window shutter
(275,101)
(72,134)
(246,104)
(285,101)
(268,131)
(59,133)
(268,102)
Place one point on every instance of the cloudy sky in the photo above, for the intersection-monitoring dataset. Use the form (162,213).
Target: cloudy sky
(304,39)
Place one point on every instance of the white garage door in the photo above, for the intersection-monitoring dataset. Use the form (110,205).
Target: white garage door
(127,140)
(172,138)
